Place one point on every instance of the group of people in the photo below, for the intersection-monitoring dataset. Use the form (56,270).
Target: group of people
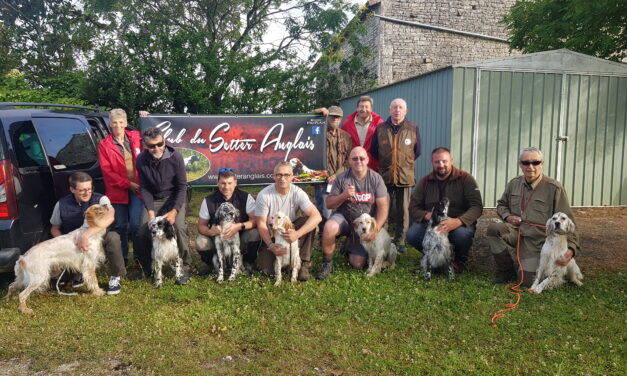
(370,169)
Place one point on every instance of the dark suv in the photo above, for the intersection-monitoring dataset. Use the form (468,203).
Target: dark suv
(41,145)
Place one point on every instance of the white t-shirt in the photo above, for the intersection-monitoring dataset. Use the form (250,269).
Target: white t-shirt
(204,212)
(269,202)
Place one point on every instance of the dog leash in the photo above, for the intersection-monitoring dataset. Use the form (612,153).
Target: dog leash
(59,290)
(514,289)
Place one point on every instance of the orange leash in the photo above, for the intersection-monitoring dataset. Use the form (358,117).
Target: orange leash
(514,289)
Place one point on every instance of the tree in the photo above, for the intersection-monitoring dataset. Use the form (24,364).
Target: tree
(210,56)
(597,28)
(14,88)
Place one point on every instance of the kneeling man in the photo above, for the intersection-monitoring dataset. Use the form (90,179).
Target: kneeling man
(353,193)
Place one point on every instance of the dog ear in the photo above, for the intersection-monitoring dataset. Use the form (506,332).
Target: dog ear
(288,224)
(550,226)
(570,225)
(169,229)
(373,225)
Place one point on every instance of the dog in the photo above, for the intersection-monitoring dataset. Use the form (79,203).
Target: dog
(381,251)
(281,224)
(190,160)
(299,167)
(164,249)
(227,250)
(436,247)
(550,275)
(34,269)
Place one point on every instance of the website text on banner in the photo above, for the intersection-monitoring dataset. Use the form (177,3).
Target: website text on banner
(250,145)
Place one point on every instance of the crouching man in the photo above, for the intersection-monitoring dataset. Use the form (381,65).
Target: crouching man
(209,228)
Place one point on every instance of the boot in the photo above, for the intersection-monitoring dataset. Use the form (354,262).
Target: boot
(529,278)
(505,271)
(303,273)
(327,268)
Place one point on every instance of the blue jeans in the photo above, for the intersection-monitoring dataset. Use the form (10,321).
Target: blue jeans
(127,219)
(321,197)
(461,239)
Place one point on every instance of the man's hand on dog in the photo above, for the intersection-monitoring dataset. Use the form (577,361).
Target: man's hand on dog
(449,224)
(290,235)
(564,260)
(233,229)
(171,216)
(277,249)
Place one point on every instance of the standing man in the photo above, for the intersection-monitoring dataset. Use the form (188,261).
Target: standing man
(163,187)
(354,192)
(69,214)
(361,125)
(285,197)
(465,205)
(339,145)
(209,227)
(396,146)
(528,200)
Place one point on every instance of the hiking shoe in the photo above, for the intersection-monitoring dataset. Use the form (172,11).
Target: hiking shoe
(184,278)
(78,282)
(114,286)
(327,268)
(303,273)
(401,249)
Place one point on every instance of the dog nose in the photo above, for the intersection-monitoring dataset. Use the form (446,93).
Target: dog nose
(557,225)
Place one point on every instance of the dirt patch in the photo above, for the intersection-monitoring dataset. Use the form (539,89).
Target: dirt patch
(602,237)
(24,367)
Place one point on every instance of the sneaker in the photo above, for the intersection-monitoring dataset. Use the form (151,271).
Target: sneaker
(184,278)
(327,268)
(401,249)
(78,282)
(114,286)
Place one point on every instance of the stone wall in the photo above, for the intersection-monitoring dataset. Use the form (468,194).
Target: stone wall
(403,51)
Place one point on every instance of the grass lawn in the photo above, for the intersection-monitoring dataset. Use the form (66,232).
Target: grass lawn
(394,323)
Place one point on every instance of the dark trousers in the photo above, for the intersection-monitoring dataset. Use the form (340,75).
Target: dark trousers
(461,238)
(265,258)
(144,238)
(399,211)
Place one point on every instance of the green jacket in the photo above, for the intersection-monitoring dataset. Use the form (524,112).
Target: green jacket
(396,148)
(548,198)
(462,191)
(339,146)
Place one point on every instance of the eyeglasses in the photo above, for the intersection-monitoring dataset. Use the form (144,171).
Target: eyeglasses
(355,159)
(527,163)
(279,176)
(157,145)
(82,191)
(225,170)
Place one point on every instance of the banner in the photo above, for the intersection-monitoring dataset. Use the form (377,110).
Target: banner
(251,145)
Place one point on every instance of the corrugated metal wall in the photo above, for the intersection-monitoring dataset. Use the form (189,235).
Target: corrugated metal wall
(521,109)
(429,106)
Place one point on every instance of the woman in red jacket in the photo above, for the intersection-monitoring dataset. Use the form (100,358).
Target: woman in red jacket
(117,154)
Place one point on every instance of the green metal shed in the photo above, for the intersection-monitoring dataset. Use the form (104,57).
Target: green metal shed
(570,105)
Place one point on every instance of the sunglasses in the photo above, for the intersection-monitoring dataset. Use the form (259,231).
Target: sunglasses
(355,159)
(157,145)
(225,170)
(527,163)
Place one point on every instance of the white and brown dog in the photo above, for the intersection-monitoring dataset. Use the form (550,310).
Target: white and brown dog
(34,269)
(165,250)
(381,251)
(227,250)
(550,275)
(436,247)
(299,167)
(281,224)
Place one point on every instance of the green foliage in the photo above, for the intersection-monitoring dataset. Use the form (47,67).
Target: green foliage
(596,28)
(14,88)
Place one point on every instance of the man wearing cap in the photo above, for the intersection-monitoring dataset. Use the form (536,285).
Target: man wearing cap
(339,145)
(209,226)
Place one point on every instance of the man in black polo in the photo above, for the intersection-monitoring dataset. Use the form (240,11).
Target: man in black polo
(69,214)
(209,228)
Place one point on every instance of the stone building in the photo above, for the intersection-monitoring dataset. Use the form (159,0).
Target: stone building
(411,37)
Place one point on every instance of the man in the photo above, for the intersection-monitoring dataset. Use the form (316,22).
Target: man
(163,187)
(361,126)
(209,228)
(528,202)
(69,214)
(396,146)
(465,205)
(353,193)
(339,145)
(285,197)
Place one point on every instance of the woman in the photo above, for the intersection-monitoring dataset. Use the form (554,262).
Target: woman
(117,154)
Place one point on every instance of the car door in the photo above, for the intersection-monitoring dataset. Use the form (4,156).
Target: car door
(70,146)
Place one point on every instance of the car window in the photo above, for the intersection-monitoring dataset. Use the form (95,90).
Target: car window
(28,150)
(96,129)
(67,142)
